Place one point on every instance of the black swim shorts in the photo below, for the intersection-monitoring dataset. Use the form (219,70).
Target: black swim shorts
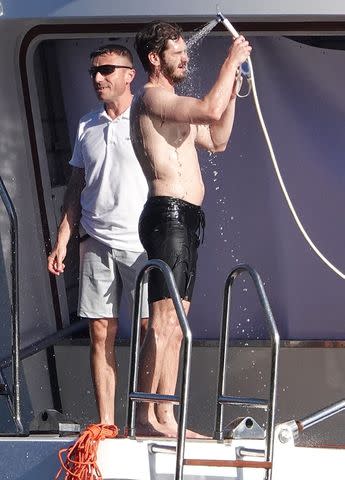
(170,230)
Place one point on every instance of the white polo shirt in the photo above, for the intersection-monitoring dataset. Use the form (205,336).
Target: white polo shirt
(116,188)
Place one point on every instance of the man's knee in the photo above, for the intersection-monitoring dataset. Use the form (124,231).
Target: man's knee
(103,330)
(164,318)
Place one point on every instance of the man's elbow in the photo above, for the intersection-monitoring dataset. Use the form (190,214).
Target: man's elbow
(214,115)
(219,147)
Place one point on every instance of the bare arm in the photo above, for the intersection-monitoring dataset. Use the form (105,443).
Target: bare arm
(215,137)
(170,107)
(70,219)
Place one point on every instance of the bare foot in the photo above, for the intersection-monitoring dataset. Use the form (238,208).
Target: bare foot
(172,427)
(194,435)
(154,429)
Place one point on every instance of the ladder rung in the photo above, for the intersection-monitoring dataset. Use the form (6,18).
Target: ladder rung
(154,397)
(227,463)
(243,401)
(156,448)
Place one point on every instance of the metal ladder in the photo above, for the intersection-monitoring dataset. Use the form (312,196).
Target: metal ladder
(13,395)
(135,396)
(222,398)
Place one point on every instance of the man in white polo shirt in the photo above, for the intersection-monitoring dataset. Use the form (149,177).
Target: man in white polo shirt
(105,196)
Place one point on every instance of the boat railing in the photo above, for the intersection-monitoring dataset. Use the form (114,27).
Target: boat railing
(290,431)
(133,395)
(18,354)
(224,399)
(12,394)
(27,352)
(46,342)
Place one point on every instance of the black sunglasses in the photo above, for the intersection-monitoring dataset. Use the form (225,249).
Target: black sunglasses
(105,70)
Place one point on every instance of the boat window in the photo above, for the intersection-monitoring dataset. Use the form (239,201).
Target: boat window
(53,113)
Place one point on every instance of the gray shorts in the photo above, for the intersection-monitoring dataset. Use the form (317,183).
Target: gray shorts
(104,274)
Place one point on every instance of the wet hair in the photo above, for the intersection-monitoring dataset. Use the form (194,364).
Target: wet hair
(112,48)
(154,38)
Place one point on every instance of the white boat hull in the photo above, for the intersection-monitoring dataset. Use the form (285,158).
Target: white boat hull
(36,458)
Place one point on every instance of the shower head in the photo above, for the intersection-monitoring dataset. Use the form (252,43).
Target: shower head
(246,67)
(220,17)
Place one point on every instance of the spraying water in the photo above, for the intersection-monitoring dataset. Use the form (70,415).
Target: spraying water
(198,36)
(251,79)
(192,87)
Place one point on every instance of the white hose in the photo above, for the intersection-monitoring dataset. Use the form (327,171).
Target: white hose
(232,30)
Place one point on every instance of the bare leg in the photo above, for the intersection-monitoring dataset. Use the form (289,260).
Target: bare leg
(103,366)
(143,329)
(159,364)
(169,373)
(168,379)
(162,329)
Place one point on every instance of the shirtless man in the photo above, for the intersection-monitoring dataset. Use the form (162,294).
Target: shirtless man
(165,129)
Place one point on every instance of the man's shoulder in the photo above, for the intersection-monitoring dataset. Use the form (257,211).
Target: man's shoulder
(153,90)
(91,121)
(152,98)
(137,97)
(92,116)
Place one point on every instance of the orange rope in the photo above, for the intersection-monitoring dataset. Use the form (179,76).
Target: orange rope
(80,461)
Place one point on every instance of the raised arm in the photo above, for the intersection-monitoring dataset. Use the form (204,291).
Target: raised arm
(170,107)
(215,137)
(70,220)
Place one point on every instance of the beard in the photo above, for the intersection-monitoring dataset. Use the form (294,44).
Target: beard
(172,73)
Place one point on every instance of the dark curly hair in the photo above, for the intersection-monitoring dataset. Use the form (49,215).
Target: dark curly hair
(154,38)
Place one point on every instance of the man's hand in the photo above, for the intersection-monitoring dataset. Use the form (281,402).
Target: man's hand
(69,222)
(55,260)
(239,50)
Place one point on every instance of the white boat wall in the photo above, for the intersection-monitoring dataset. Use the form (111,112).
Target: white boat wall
(36,458)
(298,58)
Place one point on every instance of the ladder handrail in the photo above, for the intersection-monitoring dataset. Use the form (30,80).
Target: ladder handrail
(275,341)
(134,359)
(14,397)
